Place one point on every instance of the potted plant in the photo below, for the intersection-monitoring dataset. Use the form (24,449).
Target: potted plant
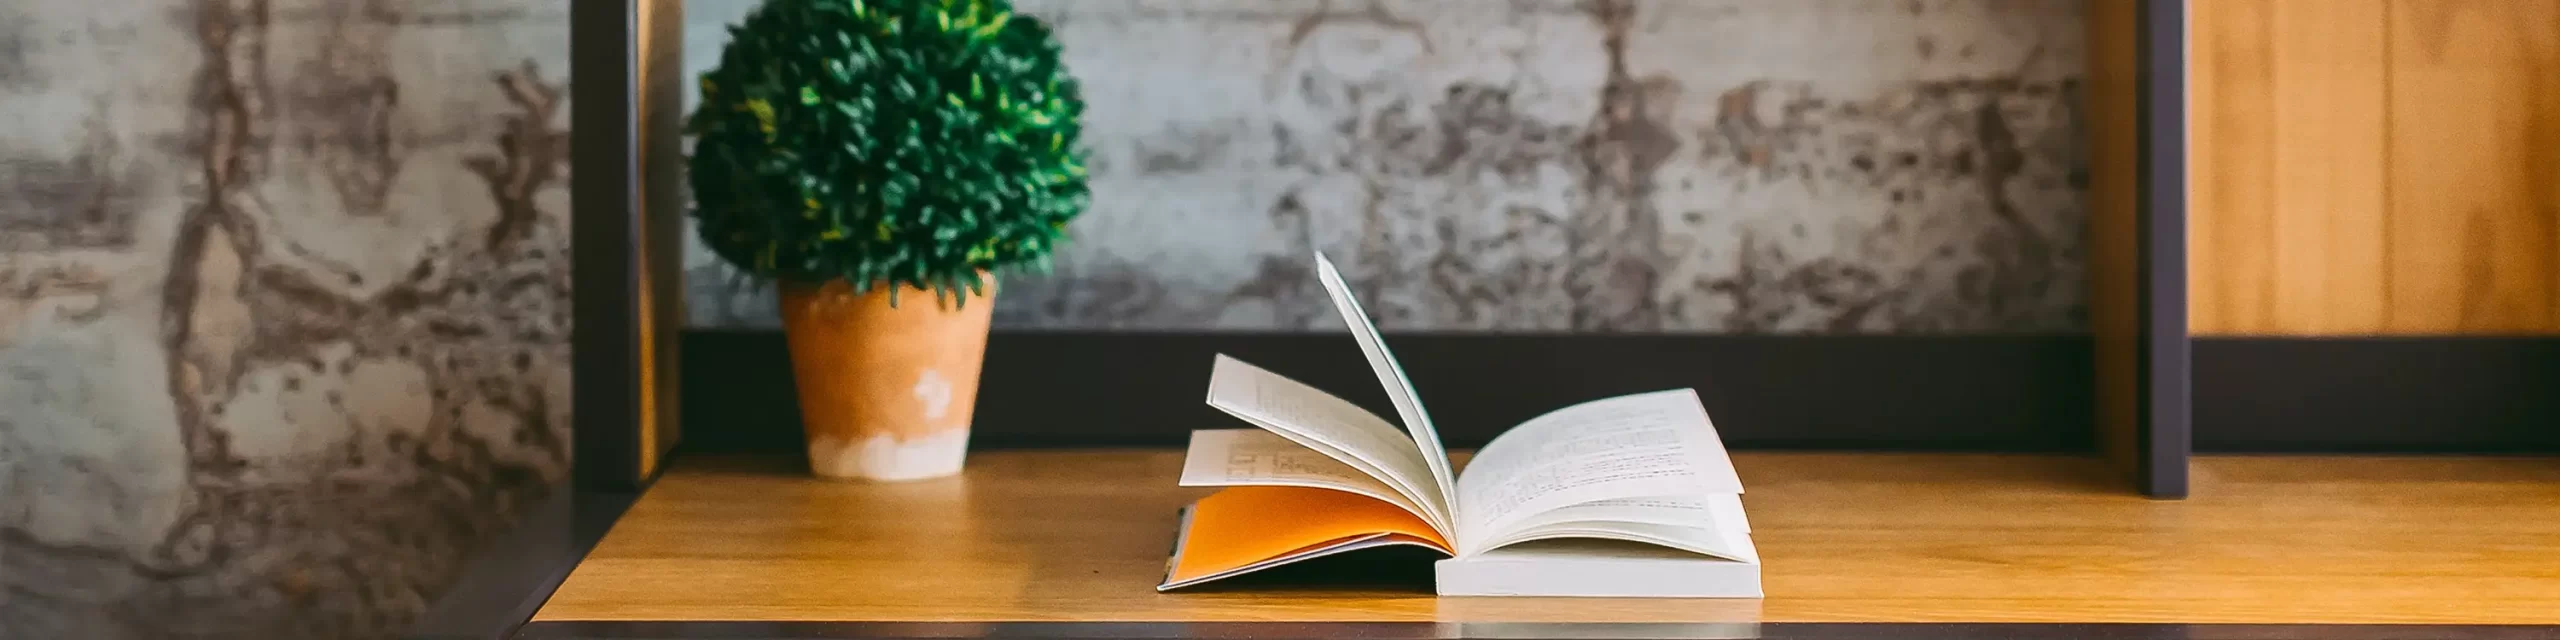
(882,162)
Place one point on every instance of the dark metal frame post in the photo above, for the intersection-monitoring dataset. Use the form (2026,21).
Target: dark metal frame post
(603,181)
(2165,376)
(624,57)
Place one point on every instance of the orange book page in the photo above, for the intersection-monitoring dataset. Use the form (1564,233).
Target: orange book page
(1240,526)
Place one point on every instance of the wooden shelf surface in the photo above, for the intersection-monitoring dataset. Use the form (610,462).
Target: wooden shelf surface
(1082,536)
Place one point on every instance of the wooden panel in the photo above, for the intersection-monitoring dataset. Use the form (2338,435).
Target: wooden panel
(2377,166)
(2475,127)
(2233,90)
(2115,231)
(660,103)
(2289,167)
(2329,159)
(1846,537)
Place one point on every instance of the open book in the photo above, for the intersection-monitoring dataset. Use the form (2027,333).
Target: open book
(1632,495)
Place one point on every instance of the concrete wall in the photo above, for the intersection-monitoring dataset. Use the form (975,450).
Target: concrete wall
(283,307)
(1726,166)
(283,284)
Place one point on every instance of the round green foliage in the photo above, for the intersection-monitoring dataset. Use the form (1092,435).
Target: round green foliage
(887,143)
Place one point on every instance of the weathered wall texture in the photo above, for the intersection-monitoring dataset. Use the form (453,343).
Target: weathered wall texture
(283,302)
(283,284)
(1733,166)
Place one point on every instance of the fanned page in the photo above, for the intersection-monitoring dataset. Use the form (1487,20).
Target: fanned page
(1335,428)
(1258,458)
(1390,374)
(1646,460)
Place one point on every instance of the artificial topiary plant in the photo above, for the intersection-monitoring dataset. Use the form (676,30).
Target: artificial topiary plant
(898,143)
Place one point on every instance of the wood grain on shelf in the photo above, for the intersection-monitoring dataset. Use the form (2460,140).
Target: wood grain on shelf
(2375,166)
(2115,230)
(1047,536)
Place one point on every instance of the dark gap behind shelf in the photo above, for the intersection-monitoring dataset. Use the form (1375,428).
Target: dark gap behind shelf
(2434,394)
(1127,389)
(2379,394)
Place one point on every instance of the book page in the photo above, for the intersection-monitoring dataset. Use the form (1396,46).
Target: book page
(1333,427)
(1390,374)
(1640,446)
(1254,457)
(1721,512)
(1727,544)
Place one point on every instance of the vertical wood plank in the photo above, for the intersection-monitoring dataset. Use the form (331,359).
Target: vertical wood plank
(2329,162)
(2289,166)
(660,102)
(2473,121)
(2115,313)
(649,371)
(2234,156)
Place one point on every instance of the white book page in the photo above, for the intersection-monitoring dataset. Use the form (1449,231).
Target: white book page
(1254,457)
(1727,544)
(1728,512)
(1331,426)
(1640,446)
(1390,374)
(1721,512)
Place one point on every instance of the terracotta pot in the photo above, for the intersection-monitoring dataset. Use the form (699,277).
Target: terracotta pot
(885,393)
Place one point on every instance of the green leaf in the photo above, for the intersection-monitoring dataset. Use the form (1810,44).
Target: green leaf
(995,26)
(904,180)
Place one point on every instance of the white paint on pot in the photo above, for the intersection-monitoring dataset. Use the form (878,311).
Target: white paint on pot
(935,392)
(887,458)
